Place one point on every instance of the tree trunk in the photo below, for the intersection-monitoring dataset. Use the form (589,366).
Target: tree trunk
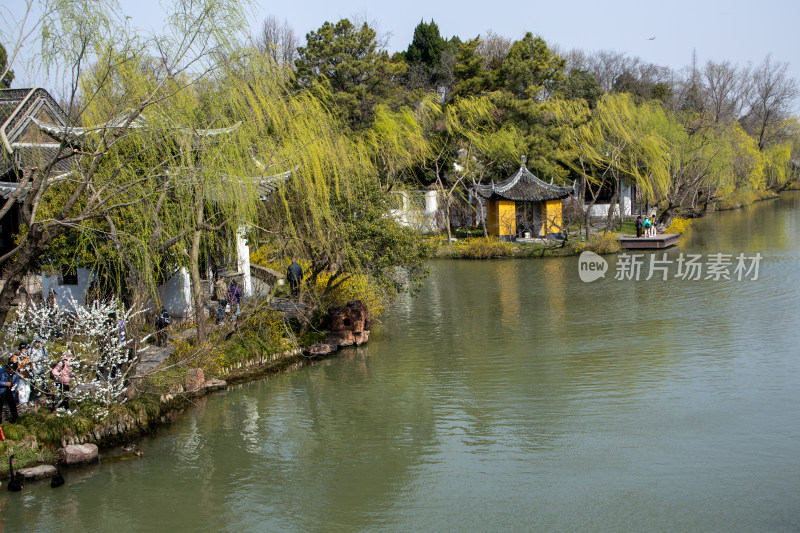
(13,279)
(194,259)
(38,242)
(447,220)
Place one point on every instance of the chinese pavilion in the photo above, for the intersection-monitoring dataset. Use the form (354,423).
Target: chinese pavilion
(539,199)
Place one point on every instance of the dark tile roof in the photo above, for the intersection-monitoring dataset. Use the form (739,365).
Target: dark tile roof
(523,186)
(270,184)
(18,110)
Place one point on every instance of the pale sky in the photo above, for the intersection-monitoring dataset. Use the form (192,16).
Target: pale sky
(735,30)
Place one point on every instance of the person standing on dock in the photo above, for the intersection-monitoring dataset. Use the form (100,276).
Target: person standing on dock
(639,226)
(652,225)
(647,225)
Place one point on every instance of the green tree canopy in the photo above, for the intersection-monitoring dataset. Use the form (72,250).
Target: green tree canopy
(530,68)
(426,46)
(6,74)
(347,60)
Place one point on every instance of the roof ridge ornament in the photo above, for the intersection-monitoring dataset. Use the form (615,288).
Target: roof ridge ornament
(524,160)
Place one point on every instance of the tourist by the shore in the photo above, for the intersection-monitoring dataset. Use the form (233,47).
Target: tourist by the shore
(234,298)
(221,294)
(652,225)
(51,299)
(639,226)
(162,322)
(38,358)
(295,275)
(62,375)
(25,372)
(8,380)
(647,225)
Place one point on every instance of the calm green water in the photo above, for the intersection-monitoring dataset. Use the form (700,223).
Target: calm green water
(510,396)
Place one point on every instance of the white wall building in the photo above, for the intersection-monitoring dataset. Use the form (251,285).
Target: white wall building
(175,294)
(417,210)
(626,199)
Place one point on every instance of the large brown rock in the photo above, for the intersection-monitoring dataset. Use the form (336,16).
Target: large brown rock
(76,454)
(352,317)
(341,338)
(195,379)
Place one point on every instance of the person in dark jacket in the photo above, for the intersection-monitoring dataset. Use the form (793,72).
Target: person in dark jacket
(163,321)
(8,380)
(295,275)
(639,226)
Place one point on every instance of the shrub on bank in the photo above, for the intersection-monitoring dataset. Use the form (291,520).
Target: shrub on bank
(679,225)
(603,243)
(483,248)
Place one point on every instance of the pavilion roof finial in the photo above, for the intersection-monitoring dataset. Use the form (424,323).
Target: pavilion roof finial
(524,159)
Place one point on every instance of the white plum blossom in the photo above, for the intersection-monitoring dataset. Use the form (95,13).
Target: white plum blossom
(96,336)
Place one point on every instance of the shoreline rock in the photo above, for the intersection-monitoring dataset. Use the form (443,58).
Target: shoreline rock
(78,454)
(37,472)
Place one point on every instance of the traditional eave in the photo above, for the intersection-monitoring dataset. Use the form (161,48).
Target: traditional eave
(74,135)
(523,186)
(266,185)
(25,144)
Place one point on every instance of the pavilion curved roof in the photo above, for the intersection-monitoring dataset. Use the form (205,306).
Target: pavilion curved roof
(523,186)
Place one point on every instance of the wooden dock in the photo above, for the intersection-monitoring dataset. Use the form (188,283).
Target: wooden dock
(666,240)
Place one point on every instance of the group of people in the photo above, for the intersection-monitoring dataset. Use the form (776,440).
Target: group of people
(228,298)
(24,378)
(646,226)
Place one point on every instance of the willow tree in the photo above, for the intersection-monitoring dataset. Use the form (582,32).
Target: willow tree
(89,47)
(207,152)
(331,211)
(466,130)
(396,143)
(612,143)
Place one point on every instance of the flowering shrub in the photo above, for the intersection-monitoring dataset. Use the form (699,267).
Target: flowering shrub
(483,248)
(97,339)
(604,243)
(679,225)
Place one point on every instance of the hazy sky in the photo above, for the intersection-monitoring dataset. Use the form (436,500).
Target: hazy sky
(733,30)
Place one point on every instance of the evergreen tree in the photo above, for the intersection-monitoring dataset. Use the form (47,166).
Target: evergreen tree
(530,69)
(427,45)
(6,74)
(347,61)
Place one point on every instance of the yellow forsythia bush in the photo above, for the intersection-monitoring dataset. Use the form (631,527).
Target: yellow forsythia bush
(679,225)
(483,248)
(604,243)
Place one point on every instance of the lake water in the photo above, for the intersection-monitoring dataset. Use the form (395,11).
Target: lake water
(509,396)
